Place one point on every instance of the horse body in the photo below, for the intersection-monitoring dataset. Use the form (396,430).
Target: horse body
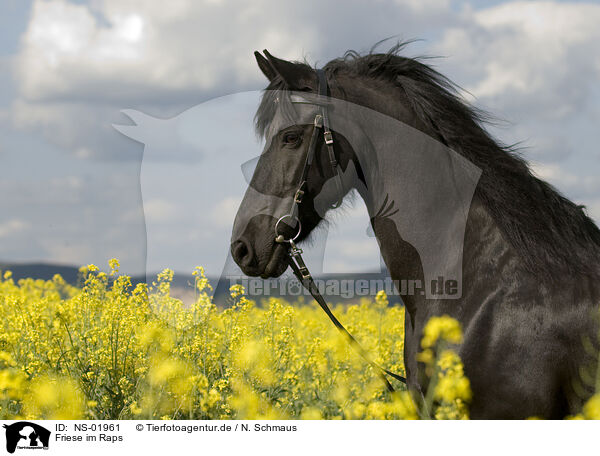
(530,277)
(523,337)
(523,330)
(524,324)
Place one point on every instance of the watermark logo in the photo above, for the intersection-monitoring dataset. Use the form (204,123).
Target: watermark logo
(416,192)
(26,436)
(346,288)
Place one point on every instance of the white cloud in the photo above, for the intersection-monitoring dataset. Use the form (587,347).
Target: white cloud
(79,64)
(356,251)
(65,46)
(572,184)
(74,218)
(70,50)
(423,6)
(73,254)
(593,209)
(349,247)
(83,130)
(13,226)
(224,212)
(529,49)
(535,64)
(159,210)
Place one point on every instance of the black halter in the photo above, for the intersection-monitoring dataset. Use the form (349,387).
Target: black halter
(321,122)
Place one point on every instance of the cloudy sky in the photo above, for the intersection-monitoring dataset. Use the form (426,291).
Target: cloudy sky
(70,187)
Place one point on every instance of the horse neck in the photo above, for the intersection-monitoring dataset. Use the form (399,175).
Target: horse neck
(485,253)
(380,97)
(401,258)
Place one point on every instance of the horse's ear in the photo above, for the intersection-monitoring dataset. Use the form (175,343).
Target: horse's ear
(297,76)
(265,66)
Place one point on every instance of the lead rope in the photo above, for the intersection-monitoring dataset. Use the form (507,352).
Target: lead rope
(303,275)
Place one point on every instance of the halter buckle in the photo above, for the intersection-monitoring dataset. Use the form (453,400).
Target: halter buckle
(318,121)
(304,273)
(298,196)
(295,250)
(295,253)
(328,137)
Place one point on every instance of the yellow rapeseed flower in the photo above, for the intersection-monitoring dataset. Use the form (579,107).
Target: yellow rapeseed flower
(107,350)
(441,328)
(591,409)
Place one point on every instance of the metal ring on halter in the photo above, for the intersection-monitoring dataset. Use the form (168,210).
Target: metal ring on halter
(279,237)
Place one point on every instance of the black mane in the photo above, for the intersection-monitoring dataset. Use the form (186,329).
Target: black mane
(550,232)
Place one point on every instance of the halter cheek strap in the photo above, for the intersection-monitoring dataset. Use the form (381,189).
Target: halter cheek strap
(295,259)
(320,123)
(328,137)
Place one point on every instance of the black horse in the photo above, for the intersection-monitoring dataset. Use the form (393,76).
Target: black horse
(529,256)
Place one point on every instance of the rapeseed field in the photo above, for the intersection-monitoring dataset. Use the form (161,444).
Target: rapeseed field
(110,350)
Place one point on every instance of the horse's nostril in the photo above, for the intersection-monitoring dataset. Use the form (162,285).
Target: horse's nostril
(242,253)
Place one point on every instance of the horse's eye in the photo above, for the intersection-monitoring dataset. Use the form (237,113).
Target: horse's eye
(291,138)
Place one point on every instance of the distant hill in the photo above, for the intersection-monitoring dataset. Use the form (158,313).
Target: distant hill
(43,271)
(343,287)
